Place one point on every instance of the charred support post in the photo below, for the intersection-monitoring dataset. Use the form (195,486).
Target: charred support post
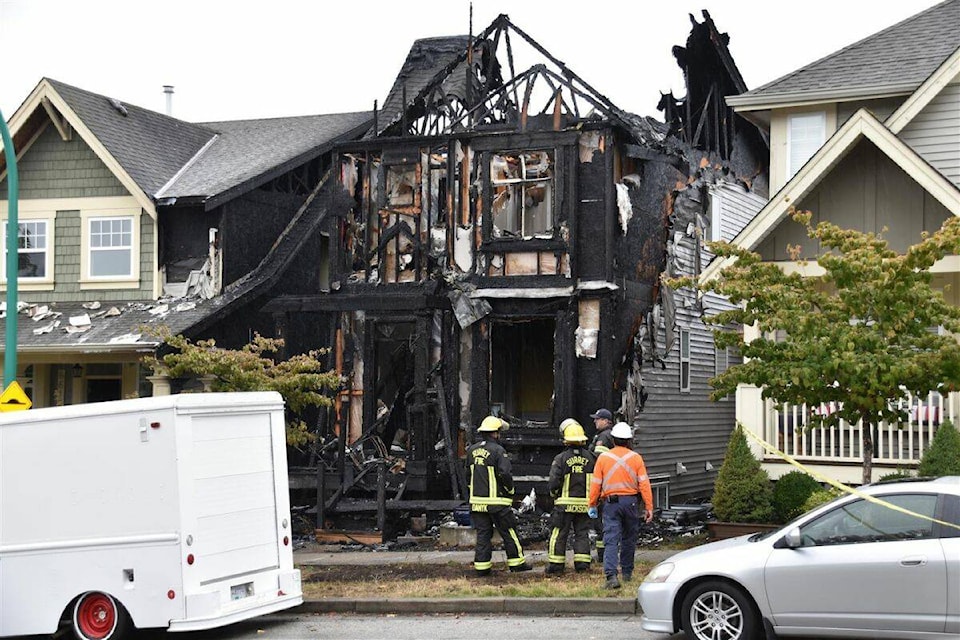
(382,497)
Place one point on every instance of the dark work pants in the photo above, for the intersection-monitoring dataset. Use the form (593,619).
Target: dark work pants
(621,525)
(505,521)
(562,522)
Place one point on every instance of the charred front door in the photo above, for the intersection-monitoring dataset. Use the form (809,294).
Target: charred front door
(521,368)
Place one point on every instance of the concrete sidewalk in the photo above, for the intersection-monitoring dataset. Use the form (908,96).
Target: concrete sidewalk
(527,606)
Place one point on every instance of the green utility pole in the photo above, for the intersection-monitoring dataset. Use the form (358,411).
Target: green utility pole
(13,262)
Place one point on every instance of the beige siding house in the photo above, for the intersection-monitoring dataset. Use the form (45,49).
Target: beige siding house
(867,138)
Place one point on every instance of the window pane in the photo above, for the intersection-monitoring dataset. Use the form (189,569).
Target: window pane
(110,263)
(862,521)
(522,201)
(32,265)
(807,134)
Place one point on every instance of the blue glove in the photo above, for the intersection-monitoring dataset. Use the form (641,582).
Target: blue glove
(592,512)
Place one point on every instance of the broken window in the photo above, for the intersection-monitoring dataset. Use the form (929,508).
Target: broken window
(522,193)
(402,186)
(521,369)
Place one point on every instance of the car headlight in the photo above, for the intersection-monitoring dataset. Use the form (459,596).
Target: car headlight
(660,573)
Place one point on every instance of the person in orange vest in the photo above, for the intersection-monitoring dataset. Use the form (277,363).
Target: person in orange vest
(619,476)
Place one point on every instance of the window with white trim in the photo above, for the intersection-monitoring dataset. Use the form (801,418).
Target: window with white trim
(684,360)
(32,250)
(806,133)
(110,246)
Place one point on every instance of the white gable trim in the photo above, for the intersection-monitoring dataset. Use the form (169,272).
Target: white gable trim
(946,73)
(44,91)
(861,125)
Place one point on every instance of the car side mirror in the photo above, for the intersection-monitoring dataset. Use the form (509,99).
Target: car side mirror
(792,539)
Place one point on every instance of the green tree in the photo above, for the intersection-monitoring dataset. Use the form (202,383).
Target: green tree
(302,379)
(942,458)
(742,492)
(858,334)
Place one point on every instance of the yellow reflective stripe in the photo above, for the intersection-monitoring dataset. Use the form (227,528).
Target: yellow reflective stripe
(519,560)
(516,562)
(552,544)
(569,500)
(492,501)
(557,559)
(491,483)
(600,544)
(582,557)
(566,486)
(600,449)
(480,566)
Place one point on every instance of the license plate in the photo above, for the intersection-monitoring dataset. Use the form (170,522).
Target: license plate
(241,591)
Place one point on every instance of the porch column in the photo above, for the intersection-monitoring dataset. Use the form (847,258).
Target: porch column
(161,384)
(750,413)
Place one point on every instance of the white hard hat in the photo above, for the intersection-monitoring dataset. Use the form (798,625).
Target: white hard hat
(621,431)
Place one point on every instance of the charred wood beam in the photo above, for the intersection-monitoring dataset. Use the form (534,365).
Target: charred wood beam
(370,302)
(644,153)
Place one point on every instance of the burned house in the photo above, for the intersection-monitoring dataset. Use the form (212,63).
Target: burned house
(501,251)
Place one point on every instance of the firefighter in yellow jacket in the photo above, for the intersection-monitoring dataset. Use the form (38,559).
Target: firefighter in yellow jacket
(491,498)
(569,487)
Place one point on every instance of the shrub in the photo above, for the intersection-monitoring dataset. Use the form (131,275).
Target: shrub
(821,497)
(742,492)
(943,456)
(790,493)
(899,474)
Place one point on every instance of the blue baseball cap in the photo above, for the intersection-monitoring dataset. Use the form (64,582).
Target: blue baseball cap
(602,413)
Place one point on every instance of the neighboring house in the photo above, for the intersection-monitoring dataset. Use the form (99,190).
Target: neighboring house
(129,218)
(501,252)
(867,138)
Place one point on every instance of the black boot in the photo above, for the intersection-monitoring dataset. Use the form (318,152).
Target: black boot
(521,567)
(554,568)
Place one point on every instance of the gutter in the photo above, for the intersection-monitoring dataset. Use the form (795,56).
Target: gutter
(747,102)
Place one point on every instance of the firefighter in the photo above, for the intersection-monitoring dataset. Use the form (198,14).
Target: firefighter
(619,475)
(602,441)
(569,485)
(491,498)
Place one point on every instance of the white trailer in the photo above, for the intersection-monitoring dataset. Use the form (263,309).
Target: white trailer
(167,512)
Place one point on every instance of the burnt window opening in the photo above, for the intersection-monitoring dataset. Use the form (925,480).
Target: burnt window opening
(522,193)
(684,360)
(521,369)
(394,370)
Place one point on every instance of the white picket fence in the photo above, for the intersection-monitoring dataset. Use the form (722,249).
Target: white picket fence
(899,444)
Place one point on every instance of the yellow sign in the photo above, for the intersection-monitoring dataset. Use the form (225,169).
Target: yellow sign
(14,399)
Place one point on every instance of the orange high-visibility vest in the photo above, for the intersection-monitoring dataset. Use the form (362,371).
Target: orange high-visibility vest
(620,472)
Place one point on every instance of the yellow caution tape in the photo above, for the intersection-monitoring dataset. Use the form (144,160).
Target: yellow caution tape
(839,485)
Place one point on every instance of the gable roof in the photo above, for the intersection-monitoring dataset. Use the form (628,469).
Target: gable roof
(156,156)
(862,125)
(247,153)
(946,73)
(893,61)
(150,146)
(427,58)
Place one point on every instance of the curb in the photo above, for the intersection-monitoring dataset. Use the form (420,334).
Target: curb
(525,606)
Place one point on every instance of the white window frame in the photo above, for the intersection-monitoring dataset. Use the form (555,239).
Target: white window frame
(816,141)
(524,181)
(128,281)
(47,250)
(29,211)
(684,346)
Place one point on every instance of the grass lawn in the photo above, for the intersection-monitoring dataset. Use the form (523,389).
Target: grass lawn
(456,580)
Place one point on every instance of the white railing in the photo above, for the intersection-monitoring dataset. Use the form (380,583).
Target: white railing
(899,444)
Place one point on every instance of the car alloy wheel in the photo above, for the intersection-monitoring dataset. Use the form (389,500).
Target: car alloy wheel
(718,611)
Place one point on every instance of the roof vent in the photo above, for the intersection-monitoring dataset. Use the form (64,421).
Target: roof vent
(116,104)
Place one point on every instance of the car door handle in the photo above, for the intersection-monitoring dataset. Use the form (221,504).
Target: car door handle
(913,561)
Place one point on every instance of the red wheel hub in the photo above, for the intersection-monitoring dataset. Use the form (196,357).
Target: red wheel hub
(96,616)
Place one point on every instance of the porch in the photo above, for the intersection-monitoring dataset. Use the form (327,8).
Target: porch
(837,452)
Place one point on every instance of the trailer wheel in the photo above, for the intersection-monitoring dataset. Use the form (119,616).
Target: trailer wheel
(98,616)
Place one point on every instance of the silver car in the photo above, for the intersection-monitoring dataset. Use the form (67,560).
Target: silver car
(851,568)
